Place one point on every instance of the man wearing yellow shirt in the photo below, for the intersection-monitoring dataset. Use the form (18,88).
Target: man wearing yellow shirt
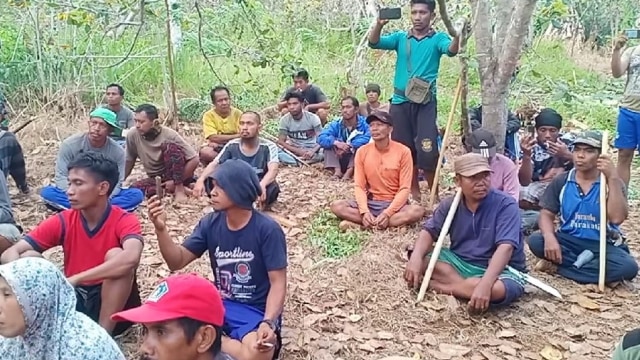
(220,124)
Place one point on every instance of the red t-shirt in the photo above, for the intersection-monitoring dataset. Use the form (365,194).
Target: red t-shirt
(84,248)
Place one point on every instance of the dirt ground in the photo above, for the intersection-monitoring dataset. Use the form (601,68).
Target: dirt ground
(359,307)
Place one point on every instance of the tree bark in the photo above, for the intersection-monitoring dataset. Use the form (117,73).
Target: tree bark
(499,49)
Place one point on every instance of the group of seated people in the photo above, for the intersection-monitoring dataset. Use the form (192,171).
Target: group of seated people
(102,240)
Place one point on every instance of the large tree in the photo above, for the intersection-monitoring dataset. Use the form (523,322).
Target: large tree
(498,48)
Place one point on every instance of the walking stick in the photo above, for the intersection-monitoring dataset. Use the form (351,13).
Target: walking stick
(447,131)
(436,250)
(603,216)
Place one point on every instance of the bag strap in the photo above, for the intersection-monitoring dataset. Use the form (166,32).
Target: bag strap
(409,68)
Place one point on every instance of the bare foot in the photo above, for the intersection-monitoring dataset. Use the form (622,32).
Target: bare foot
(545,266)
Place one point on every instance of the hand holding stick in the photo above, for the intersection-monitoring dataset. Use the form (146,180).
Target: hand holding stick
(436,250)
(159,189)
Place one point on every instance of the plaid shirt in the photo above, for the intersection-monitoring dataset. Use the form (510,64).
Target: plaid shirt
(12,158)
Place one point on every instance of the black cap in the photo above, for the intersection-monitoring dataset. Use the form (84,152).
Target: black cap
(483,142)
(381,116)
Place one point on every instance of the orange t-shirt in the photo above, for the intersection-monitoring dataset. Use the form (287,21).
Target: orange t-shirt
(385,174)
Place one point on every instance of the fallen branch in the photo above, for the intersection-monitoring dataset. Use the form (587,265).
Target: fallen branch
(23,125)
(275,141)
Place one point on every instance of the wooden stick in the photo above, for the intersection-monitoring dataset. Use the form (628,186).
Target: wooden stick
(436,250)
(603,216)
(275,141)
(447,131)
(159,192)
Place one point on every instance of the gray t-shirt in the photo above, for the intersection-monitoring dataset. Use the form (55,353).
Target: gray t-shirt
(125,119)
(302,133)
(79,143)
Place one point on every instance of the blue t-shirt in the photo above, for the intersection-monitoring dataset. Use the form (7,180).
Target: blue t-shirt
(579,211)
(241,259)
(476,236)
(424,55)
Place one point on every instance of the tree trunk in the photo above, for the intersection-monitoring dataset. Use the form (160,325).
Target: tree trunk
(499,49)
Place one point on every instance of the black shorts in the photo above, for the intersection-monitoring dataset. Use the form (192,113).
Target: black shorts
(415,126)
(90,301)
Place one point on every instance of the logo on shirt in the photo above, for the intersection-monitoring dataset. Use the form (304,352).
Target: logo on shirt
(242,273)
(427,145)
(159,292)
(234,256)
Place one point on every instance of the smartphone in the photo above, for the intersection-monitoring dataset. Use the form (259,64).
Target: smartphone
(632,33)
(390,13)
(531,129)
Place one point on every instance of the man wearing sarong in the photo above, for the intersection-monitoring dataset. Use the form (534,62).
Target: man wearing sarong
(485,238)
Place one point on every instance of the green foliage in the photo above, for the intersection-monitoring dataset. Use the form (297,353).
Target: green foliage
(324,234)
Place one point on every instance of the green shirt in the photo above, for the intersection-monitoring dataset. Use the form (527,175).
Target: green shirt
(424,55)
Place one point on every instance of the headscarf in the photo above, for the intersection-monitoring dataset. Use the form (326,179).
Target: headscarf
(548,117)
(54,329)
(239,181)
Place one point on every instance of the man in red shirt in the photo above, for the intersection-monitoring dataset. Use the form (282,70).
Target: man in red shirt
(102,244)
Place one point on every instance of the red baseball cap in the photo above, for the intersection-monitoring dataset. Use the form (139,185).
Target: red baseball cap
(178,296)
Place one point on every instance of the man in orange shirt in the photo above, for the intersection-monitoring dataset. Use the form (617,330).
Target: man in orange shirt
(383,171)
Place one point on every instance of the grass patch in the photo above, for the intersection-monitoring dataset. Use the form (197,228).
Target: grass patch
(325,234)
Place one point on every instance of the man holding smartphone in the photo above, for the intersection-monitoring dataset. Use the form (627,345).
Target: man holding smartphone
(414,103)
(627,138)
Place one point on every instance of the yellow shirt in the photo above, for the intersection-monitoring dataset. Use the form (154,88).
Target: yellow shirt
(214,124)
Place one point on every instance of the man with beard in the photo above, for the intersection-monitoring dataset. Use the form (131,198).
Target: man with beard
(373,93)
(248,253)
(162,152)
(342,138)
(575,246)
(114,95)
(258,152)
(484,241)
(414,102)
(313,98)
(182,319)
(219,125)
(299,130)
(102,123)
(382,178)
(101,243)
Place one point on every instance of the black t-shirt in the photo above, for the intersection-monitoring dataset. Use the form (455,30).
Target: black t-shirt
(267,152)
(312,95)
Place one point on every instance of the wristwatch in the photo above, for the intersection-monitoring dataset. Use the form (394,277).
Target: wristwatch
(269,322)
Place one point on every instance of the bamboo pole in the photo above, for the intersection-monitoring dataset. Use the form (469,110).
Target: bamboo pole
(445,138)
(603,217)
(436,250)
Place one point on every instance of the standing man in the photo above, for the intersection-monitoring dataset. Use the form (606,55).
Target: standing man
(414,103)
(114,96)
(219,125)
(315,101)
(628,129)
